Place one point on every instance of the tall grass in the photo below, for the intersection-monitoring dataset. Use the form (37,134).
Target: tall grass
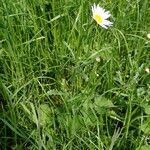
(67,83)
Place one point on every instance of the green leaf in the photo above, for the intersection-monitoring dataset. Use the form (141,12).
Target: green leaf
(44,113)
(145,127)
(103,102)
(54,92)
(144,147)
(147,109)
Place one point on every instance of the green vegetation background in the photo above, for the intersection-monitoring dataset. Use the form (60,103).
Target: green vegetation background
(68,84)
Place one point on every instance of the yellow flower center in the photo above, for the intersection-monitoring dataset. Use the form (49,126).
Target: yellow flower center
(98,18)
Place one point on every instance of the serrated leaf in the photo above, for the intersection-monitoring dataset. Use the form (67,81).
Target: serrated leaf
(103,102)
(44,113)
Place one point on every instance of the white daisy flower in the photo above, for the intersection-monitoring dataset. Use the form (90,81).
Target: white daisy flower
(100,16)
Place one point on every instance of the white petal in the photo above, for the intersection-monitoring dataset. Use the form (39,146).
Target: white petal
(100,10)
(102,25)
(108,23)
(95,6)
(92,9)
(106,16)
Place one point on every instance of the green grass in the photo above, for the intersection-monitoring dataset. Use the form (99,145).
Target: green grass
(68,84)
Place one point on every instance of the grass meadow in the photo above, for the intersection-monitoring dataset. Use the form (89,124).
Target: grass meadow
(68,84)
